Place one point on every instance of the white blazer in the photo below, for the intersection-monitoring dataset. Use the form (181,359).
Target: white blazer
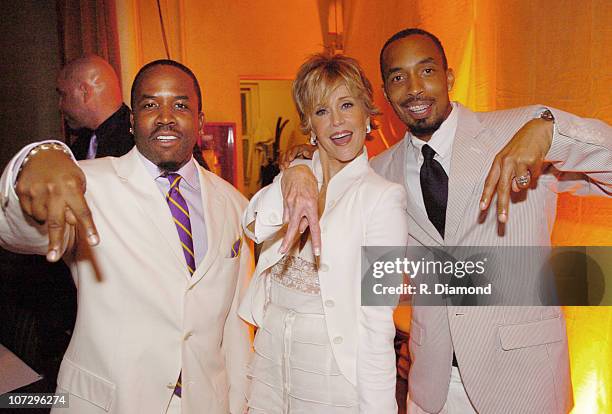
(361,209)
(141,317)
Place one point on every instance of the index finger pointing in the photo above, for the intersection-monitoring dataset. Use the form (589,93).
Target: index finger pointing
(56,226)
(82,213)
(315,232)
(490,185)
(503,192)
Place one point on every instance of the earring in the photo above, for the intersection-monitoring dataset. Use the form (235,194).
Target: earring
(368,128)
(131,130)
(313,139)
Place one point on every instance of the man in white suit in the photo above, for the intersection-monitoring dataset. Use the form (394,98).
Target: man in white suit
(157,329)
(477,359)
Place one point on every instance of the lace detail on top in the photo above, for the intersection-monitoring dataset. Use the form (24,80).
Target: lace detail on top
(296,273)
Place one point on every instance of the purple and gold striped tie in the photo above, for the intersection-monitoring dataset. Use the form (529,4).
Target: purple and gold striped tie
(180,214)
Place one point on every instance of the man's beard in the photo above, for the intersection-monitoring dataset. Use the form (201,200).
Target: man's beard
(422,128)
(169,166)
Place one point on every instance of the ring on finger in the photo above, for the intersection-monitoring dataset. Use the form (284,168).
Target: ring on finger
(524,179)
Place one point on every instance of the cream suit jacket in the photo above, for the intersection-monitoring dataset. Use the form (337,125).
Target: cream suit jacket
(141,317)
(511,359)
(361,209)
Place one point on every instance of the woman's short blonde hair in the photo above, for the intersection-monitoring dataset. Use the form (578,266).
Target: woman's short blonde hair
(320,75)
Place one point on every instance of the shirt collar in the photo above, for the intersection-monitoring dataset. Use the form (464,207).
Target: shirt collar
(355,167)
(344,178)
(189,171)
(442,140)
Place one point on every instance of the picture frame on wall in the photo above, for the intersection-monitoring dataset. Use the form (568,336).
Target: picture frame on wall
(218,146)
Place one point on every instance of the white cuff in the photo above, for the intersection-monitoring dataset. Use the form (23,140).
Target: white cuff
(539,113)
(12,170)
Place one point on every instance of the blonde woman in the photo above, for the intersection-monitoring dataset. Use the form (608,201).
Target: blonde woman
(317,349)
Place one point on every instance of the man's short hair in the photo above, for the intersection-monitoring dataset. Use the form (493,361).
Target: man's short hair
(165,62)
(320,75)
(402,34)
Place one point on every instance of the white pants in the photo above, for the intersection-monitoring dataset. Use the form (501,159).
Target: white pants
(457,401)
(175,405)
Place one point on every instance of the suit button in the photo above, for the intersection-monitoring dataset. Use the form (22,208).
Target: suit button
(171,385)
(329,303)
(323,267)
(338,340)
(188,335)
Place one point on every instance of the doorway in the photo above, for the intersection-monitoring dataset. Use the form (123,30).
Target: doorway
(270,125)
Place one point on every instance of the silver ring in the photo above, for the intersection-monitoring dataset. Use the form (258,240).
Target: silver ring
(523,180)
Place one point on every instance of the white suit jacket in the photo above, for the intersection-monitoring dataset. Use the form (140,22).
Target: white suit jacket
(141,318)
(361,209)
(511,359)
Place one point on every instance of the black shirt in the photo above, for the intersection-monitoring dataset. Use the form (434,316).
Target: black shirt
(114,137)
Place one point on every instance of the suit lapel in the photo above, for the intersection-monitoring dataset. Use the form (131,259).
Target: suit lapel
(347,178)
(213,202)
(427,234)
(151,201)
(395,169)
(469,158)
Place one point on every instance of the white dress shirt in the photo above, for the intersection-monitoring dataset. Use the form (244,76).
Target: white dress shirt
(441,142)
(192,193)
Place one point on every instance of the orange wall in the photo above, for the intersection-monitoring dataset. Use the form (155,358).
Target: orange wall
(504,54)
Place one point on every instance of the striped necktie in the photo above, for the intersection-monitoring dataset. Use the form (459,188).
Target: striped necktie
(180,213)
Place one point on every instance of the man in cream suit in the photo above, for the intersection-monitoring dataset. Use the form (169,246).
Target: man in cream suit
(510,359)
(157,328)
(476,359)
